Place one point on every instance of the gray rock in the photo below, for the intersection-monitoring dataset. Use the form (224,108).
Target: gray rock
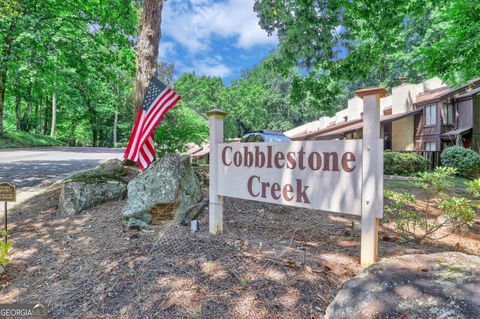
(441,285)
(87,189)
(77,196)
(110,167)
(163,191)
(135,223)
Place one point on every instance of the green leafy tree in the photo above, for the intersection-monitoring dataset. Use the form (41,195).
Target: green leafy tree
(69,65)
(202,93)
(372,41)
(180,126)
(451,43)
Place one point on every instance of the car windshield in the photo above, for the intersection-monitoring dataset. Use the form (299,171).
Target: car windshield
(276,138)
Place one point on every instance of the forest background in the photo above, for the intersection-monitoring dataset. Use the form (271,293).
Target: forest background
(68,68)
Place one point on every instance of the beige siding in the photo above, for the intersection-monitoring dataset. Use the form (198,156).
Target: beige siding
(402,134)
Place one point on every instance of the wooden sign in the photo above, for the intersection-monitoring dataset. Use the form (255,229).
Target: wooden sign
(338,176)
(7,192)
(295,174)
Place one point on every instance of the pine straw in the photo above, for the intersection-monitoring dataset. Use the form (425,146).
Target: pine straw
(272,262)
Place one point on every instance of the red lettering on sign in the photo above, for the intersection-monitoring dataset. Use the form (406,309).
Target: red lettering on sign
(301,160)
(302,194)
(237,159)
(250,185)
(247,156)
(287,188)
(301,153)
(275,188)
(279,156)
(224,155)
(259,158)
(292,163)
(315,161)
(326,157)
(348,157)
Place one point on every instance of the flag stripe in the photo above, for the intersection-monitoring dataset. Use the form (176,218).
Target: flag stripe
(142,162)
(158,100)
(133,150)
(146,150)
(147,128)
(134,133)
(141,120)
(150,145)
(158,106)
(158,117)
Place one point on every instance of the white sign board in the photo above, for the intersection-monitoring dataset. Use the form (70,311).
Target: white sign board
(324,175)
(343,176)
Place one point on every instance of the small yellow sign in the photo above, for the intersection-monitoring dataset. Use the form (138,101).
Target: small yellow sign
(7,192)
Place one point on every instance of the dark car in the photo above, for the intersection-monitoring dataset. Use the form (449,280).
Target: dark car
(265,136)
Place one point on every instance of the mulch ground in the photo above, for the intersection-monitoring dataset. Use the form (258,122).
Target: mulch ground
(271,262)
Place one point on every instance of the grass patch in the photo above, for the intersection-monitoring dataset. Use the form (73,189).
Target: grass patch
(15,139)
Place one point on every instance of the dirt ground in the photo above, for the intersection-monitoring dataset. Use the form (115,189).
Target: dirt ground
(271,262)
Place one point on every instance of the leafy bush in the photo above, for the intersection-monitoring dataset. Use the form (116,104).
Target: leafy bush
(180,126)
(4,253)
(419,224)
(405,164)
(466,161)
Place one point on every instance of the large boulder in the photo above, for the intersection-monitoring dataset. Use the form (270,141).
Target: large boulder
(163,191)
(104,183)
(441,285)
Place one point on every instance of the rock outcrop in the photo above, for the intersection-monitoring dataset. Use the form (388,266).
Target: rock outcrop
(103,183)
(441,285)
(163,191)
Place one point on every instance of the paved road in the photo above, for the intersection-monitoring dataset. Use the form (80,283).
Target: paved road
(29,167)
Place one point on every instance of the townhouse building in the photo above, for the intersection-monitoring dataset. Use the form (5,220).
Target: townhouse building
(424,117)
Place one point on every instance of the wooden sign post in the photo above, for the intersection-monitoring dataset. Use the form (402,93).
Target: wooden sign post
(215,206)
(342,176)
(7,194)
(372,185)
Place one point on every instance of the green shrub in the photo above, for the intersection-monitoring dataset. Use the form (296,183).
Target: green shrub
(4,261)
(417,221)
(465,160)
(404,164)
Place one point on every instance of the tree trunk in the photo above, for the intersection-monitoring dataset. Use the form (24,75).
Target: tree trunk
(45,119)
(92,117)
(38,116)
(18,111)
(101,137)
(3,69)
(115,119)
(2,102)
(54,115)
(26,116)
(28,109)
(94,134)
(3,78)
(147,48)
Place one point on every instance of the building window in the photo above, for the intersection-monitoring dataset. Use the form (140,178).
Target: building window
(430,146)
(431,114)
(447,114)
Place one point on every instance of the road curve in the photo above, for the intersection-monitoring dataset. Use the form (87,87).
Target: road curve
(29,167)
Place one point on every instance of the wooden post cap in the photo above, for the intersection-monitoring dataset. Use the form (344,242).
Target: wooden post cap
(216,112)
(381,91)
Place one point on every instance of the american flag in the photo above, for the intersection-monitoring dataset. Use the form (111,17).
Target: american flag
(158,100)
